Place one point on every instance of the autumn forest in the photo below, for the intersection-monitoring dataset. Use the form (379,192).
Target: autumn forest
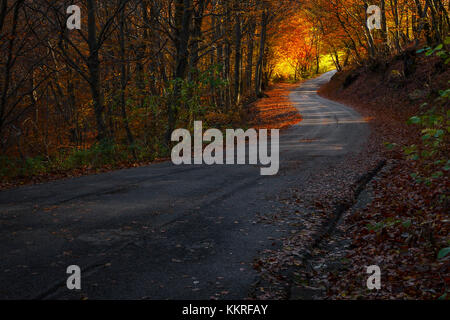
(138,69)
(355,93)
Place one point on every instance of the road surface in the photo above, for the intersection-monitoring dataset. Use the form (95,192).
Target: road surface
(164,231)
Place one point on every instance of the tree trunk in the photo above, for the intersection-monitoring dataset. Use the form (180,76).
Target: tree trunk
(183,15)
(237,59)
(93,64)
(262,46)
(250,49)
(197,36)
(124,79)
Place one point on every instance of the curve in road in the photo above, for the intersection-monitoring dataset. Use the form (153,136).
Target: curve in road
(164,232)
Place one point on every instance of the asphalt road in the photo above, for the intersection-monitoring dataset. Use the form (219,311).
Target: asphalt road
(164,231)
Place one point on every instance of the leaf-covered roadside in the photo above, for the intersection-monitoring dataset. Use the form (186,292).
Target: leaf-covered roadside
(405,228)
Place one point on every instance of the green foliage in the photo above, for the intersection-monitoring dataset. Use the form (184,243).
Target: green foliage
(22,167)
(443,253)
(434,123)
(438,51)
(193,97)
(98,156)
(32,166)
(389,222)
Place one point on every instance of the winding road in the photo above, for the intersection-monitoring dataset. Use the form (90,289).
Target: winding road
(164,231)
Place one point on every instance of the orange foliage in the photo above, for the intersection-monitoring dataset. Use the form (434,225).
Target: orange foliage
(296,46)
(276,110)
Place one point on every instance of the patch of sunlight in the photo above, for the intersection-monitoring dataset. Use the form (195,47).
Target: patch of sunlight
(326,63)
(284,69)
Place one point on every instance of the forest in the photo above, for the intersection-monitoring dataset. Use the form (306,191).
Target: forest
(113,91)
(90,87)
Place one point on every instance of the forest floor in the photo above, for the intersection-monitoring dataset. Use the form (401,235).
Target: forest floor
(388,219)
